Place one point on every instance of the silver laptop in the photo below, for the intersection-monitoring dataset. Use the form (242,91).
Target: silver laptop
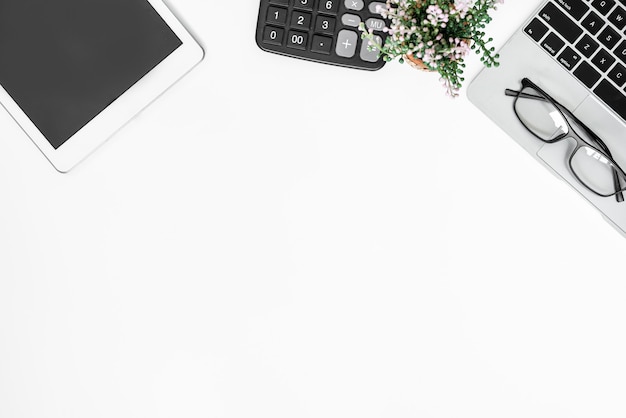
(573,51)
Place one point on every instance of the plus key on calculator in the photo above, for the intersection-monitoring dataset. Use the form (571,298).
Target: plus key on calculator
(322,30)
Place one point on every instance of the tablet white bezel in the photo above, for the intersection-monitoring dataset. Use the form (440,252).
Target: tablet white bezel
(124,108)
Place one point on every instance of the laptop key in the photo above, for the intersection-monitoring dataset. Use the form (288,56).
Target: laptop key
(609,37)
(569,58)
(587,74)
(553,44)
(593,22)
(603,6)
(618,75)
(613,97)
(587,46)
(603,60)
(620,51)
(560,22)
(618,17)
(536,29)
(576,8)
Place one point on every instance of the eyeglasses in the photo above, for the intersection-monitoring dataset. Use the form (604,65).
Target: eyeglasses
(590,161)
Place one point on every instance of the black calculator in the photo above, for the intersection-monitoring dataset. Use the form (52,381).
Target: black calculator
(324,31)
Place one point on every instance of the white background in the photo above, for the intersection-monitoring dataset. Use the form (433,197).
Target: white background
(277,238)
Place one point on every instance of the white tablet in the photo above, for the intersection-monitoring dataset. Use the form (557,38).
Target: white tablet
(72,72)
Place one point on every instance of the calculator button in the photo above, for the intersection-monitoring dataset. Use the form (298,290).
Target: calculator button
(281,2)
(303,4)
(276,15)
(329,6)
(325,24)
(273,36)
(354,4)
(346,43)
(375,24)
(351,20)
(373,7)
(297,40)
(321,44)
(370,54)
(300,20)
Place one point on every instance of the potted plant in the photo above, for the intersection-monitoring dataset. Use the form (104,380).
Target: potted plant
(436,35)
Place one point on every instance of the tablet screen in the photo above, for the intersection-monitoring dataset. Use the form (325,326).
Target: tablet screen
(65,61)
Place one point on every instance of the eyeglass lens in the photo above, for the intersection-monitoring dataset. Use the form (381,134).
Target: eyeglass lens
(539,115)
(592,167)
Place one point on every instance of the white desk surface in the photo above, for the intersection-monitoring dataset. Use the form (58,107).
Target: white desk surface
(257,243)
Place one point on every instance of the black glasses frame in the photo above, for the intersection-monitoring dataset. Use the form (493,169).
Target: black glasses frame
(580,141)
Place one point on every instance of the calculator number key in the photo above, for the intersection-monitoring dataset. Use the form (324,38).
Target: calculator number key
(276,15)
(325,25)
(300,20)
(329,6)
(297,40)
(273,36)
(303,4)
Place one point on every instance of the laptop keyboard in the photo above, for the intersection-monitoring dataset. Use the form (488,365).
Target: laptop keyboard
(586,37)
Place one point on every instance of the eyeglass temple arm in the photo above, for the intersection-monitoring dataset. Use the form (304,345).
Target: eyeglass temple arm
(619,196)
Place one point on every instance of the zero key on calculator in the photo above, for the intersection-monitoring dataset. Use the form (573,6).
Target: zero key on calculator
(325,31)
